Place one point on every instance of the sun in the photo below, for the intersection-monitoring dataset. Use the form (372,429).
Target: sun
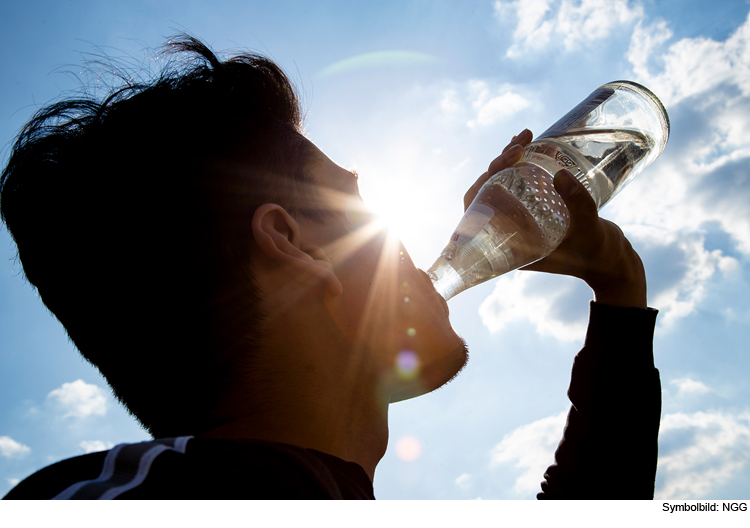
(408,207)
(395,208)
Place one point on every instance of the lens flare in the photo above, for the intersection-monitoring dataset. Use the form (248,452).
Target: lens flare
(407,365)
(408,448)
(411,332)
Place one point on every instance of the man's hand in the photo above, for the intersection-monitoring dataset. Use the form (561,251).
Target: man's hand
(594,249)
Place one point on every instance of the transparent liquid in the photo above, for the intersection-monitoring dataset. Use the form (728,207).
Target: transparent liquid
(527,219)
(604,160)
(510,239)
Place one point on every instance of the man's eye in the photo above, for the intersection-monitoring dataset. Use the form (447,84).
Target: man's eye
(356,214)
(356,219)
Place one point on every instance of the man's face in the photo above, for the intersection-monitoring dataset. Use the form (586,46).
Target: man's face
(388,308)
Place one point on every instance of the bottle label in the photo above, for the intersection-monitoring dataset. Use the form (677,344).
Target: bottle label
(575,116)
(477,216)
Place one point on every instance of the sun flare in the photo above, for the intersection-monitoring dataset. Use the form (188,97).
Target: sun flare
(395,210)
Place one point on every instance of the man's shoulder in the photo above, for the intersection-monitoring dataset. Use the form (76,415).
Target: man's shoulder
(49,481)
(198,468)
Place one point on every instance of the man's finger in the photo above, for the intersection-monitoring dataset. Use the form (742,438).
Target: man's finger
(501,162)
(580,203)
(505,160)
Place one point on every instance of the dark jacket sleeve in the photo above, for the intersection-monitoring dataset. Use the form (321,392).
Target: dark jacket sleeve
(609,445)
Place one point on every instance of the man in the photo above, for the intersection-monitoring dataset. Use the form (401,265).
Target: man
(225,277)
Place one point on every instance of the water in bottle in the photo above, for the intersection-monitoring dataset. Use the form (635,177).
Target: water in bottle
(518,217)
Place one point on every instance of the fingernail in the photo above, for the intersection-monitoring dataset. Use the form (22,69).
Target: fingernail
(524,131)
(512,151)
(565,183)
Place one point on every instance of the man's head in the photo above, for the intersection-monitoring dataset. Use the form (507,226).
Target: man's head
(349,273)
(141,221)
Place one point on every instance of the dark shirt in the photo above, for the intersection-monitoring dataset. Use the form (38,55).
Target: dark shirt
(208,469)
(609,445)
(608,449)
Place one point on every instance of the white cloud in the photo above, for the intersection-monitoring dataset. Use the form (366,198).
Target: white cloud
(11,449)
(533,30)
(690,386)
(463,481)
(12,481)
(691,66)
(80,399)
(543,23)
(538,299)
(492,106)
(92,446)
(687,267)
(461,165)
(643,43)
(450,101)
(480,104)
(700,178)
(531,447)
(699,452)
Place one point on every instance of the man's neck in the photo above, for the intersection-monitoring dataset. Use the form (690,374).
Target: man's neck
(325,397)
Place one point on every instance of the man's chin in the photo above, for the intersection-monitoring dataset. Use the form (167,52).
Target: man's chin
(431,376)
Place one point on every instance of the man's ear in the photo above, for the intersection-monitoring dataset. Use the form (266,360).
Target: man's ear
(278,237)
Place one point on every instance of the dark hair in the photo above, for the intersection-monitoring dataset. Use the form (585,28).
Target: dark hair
(132,218)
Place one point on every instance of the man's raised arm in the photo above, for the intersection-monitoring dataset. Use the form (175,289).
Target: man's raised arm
(609,447)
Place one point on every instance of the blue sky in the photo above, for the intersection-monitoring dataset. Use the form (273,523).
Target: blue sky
(418,97)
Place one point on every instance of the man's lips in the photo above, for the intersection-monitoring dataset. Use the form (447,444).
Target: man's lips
(442,301)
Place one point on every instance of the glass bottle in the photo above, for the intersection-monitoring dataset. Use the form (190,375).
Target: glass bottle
(518,218)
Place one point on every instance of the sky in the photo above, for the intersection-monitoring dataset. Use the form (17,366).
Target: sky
(418,97)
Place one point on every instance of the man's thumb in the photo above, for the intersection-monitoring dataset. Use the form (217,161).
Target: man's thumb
(580,203)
